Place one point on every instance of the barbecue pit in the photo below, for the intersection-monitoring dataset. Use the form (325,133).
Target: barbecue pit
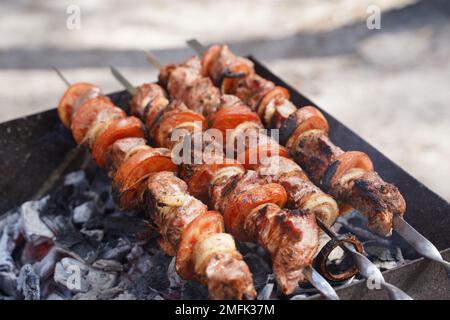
(35,150)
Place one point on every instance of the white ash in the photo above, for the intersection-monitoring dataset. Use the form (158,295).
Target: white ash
(28,283)
(83,212)
(32,225)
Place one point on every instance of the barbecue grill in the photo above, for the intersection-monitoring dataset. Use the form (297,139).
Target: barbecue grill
(36,151)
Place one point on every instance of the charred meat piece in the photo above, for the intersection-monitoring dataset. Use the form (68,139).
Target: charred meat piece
(375,198)
(292,238)
(202,97)
(315,152)
(73,98)
(121,150)
(302,194)
(145,94)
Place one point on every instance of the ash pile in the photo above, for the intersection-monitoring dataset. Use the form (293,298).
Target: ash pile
(74,243)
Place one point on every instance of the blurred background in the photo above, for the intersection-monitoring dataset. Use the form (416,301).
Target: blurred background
(391,85)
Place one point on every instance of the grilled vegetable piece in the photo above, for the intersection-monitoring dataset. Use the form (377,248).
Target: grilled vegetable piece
(130,179)
(228,118)
(219,62)
(87,113)
(196,236)
(145,94)
(170,121)
(74,96)
(240,203)
(301,192)
(197,230)
(347,176)
(118,129)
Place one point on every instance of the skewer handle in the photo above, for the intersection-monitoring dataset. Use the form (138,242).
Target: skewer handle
(366,267)
(319,282)
(421,244)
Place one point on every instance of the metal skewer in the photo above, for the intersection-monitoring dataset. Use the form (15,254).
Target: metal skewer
(66,162)
(314,277)
(61,76)
(421,244)
(366,267)
(153,60)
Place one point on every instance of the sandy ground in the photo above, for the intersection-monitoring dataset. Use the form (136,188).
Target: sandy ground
(389,85)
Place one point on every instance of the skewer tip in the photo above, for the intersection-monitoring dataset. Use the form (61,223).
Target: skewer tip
(61,76)
(196,46)
(153,60)
(123,81)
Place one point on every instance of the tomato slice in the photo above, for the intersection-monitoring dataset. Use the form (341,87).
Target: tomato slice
(255,155)
(145,94)
(231,117)
(133,171)
(309,118)
(87,113)
(351,160)
(272,94)
(198,229)
(200,181)
(130,127)
(65,105)
(239,206)
(208,58)
(229,84)
(173,120)
(153,110)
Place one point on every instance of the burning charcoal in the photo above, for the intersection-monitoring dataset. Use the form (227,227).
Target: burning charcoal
(78,180)
(28,283)
(259,268)
(95,235)
(135,253)
(54,296)
(126,226)
(192,290)
(384,257)
(153,281)
(299,297)
(99,294)
(71,273)
(72,240)
(32,226)
(35,251)
(45,267)
(116,250)
(174,279)
(8,284)
(6,260)
(83,212)
(355,224)
(78,277)
(108,265)
(125,296)
(140,266)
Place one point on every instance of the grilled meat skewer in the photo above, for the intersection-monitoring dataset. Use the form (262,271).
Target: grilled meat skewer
(143,177)
(246,199)
(348,176)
